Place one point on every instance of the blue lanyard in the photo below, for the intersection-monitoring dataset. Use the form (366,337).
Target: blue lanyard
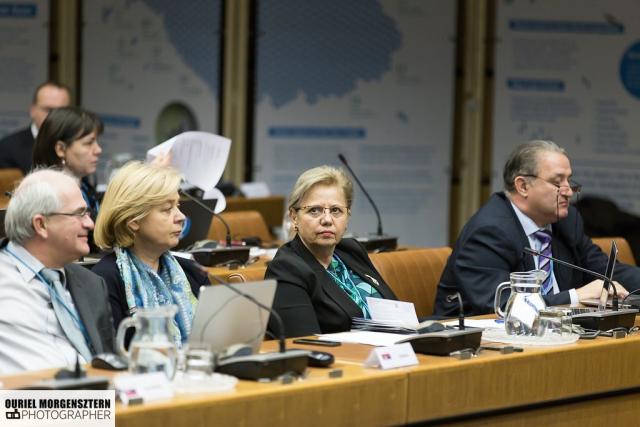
(54,293)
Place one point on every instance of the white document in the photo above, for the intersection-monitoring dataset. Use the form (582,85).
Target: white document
(383,339)
(200,156)
(394,356)
(393,312)
(214,193)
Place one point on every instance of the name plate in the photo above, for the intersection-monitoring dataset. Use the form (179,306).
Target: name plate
(395,356)
(135,389)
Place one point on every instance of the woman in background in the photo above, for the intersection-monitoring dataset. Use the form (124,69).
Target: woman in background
(323,279)
(141,221)
(68,139)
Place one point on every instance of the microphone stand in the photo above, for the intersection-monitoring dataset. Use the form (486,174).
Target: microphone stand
(457,296)
(220,255)
(380,242)
(264,365)
(212,212)
(602,320)
(608,282)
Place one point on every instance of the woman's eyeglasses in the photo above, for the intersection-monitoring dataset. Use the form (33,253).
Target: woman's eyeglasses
(317,211)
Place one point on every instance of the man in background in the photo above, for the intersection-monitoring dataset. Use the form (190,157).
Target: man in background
(51,310)
(16,149)
(534,211)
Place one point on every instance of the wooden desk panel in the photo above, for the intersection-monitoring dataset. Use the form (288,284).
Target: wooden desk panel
(361,397)
(495,381)
(358,398)
(530,388)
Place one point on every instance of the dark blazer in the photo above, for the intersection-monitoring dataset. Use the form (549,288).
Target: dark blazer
(89,293)
(307,298)
(108,270)
(491,245)
(16,150)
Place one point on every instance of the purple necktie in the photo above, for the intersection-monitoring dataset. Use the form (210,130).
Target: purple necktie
(544,264)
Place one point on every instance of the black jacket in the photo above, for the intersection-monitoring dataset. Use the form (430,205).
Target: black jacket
(16,150)
(491,245)
(307,298)
(108,269)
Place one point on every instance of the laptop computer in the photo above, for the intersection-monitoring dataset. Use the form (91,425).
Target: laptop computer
(605,299)
(224,318)
(600,318)
(603,302)
(608,273)
(196,223)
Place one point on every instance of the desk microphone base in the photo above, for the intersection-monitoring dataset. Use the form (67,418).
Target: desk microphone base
(212,257)
(606,320)
(444,342)
(84,383)
(379,243)
(265,365)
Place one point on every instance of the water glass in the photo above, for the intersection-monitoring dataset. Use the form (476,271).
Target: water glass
(553,323)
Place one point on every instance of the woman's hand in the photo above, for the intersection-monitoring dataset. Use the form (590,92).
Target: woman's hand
(162,160)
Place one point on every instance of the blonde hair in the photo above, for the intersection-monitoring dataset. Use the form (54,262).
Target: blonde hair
(321,175)
(133,191)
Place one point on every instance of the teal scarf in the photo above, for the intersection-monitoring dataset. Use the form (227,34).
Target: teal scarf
(146,288)
(350,282)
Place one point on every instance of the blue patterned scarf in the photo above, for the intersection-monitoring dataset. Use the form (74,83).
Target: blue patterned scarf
(146,288)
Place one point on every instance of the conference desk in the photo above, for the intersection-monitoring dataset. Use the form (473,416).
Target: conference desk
(317,400)
(587,383)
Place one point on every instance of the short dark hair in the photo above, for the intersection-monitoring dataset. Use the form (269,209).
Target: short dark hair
(65,124)
(524,161)
(55,84)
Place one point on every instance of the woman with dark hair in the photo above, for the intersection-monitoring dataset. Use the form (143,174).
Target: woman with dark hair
(68,138)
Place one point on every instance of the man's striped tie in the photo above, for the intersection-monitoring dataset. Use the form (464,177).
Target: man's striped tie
(544,264)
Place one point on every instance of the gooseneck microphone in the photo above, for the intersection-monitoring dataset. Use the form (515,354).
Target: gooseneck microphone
(281,336)
(607,282)
(567,264)
(457,296)
(380,242)
(212,212)
(601,319)
(262,365)
(355,177)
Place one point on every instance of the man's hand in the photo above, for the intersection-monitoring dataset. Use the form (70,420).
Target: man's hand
(594,289)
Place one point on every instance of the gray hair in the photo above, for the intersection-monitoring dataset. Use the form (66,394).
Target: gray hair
(524,161)
(35,195)
(324,175)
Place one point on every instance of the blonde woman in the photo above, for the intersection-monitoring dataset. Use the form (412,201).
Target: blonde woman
(323,279)
(141,221)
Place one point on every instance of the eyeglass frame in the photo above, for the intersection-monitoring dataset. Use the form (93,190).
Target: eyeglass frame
(324,209)
(575,187)
(87,211)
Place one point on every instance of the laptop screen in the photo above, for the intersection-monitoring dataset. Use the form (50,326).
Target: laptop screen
(224,318)
(611,263)
(196,223)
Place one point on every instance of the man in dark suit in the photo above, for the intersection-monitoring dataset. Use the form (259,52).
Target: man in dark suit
(16,149)
(51,311)
(534,211)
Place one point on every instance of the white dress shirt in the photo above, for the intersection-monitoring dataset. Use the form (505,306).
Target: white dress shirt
(31,337)
(530,228)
